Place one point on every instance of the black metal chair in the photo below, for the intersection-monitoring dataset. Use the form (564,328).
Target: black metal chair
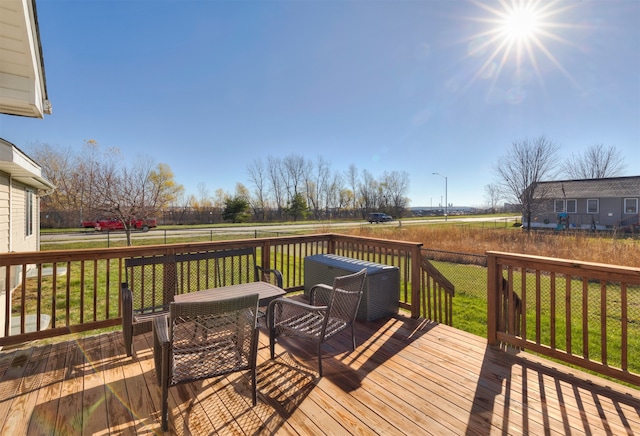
(331,310)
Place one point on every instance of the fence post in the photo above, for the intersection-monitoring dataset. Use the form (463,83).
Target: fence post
(492,297)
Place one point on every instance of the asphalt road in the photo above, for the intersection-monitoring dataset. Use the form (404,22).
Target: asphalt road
(162,234)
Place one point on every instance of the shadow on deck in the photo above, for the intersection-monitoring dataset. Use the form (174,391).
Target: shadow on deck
(405,377)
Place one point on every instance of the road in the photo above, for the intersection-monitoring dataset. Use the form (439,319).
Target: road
(324,226)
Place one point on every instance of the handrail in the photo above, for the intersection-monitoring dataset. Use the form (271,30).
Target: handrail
(79,289)
(582,313)
(438,292)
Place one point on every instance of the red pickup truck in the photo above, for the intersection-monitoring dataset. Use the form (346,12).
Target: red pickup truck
(116,224)
(88,224)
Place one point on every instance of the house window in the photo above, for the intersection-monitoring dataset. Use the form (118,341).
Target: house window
(558,206)
(630,205)
(568,206)
(28,221)
(593,205)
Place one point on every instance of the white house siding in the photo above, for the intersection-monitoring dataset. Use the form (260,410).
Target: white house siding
(4,213)
(19,239)
(4,241)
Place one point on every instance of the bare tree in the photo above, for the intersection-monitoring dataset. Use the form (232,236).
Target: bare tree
(345,200)
(292,171)
(493,195)
(369,192)
(85,178)
(179,206)
(73,176)
(275,183)
(520,170)
(258,177)
(127,193)
(57,167)
(316,184)
(352,180)
(204,197)
(334,200)
(598,162)
(395,187)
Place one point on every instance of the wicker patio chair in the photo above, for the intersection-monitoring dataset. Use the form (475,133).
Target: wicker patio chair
(203,340)
(331,310)
(149,289)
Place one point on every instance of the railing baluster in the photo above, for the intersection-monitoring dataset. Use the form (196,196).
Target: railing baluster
(603,321)
(567,302)
(623,328)
(538,308)
(82,291)
(585,318)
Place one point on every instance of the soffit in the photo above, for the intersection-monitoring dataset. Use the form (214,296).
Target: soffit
(22,79)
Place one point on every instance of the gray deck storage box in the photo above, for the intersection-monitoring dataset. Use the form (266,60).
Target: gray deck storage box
(381,289)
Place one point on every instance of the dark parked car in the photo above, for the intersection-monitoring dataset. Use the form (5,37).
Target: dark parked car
(378,217)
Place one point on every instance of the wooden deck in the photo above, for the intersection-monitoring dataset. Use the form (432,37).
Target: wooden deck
(406,377)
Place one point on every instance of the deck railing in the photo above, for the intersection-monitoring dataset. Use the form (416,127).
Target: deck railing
(585,314)
(58,292)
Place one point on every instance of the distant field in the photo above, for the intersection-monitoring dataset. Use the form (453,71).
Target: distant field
(478,239)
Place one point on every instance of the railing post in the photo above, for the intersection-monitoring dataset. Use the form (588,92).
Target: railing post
(416,292)
(266,255)
(331,245)
(492,297)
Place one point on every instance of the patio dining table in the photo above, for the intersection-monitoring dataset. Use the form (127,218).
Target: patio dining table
(266,292)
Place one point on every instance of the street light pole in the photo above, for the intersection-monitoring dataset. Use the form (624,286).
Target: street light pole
(446,200)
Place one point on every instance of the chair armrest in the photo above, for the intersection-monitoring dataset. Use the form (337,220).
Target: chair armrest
(161,346)
(320,294)
(262,271)
(161,329)
(126,300)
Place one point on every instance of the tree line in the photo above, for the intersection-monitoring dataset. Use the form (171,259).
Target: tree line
(98,182)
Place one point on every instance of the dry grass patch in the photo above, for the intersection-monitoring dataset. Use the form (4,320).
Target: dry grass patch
(602,247)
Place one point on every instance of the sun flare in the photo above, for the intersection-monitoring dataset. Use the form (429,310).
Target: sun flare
(520,24)
(520,35)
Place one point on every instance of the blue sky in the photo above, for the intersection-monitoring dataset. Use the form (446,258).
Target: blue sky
(415,86)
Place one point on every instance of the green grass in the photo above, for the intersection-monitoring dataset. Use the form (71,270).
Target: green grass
(470,314)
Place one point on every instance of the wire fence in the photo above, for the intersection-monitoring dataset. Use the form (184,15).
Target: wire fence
(467,272)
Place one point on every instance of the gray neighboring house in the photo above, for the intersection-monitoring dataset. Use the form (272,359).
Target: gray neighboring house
(589,204)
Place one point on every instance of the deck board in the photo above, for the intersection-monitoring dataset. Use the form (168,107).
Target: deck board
(405,377)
